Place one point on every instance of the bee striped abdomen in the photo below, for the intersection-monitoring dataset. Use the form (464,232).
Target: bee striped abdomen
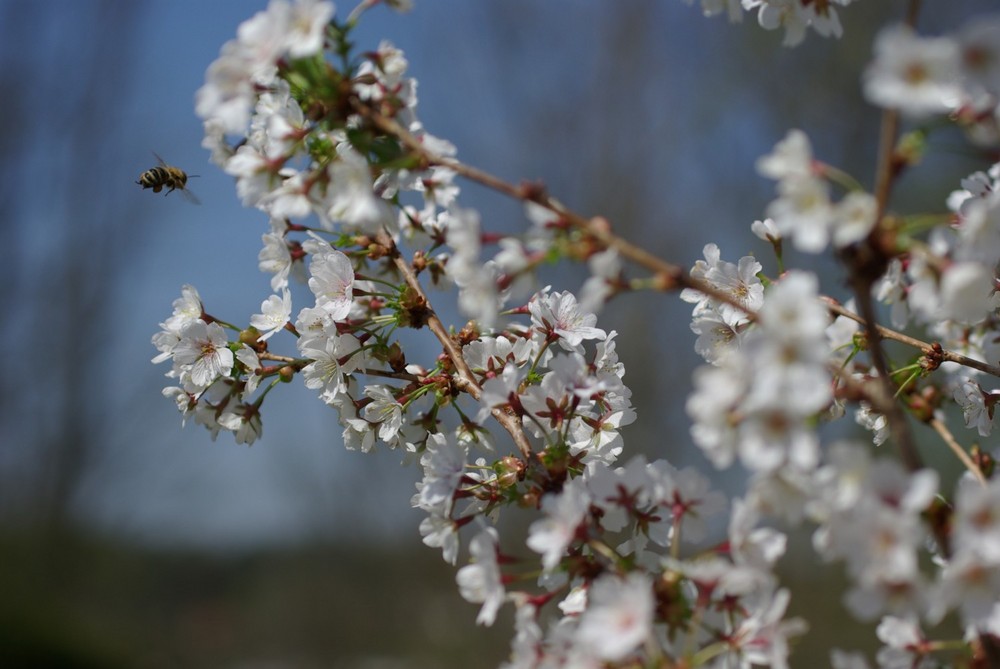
(158,177)
(171,177)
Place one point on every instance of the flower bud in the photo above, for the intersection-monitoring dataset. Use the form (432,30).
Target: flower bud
(419,262)
(468,334)
(414,311)
(530,499)
(249,336)
(923,403)
(396,358)
(509,471)
(983,460)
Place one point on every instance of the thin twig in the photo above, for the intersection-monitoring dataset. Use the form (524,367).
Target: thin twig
(669,275)
(302,362)
(675,275)
(957,449)
(924,347)
(886,171)
(898,425)
(466,380)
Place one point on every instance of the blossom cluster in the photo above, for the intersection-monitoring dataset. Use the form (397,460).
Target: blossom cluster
(872,514)
(620,565)
(794,16)
(957,74)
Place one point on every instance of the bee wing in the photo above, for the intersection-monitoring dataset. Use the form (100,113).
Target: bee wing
(162,162)
(191,197)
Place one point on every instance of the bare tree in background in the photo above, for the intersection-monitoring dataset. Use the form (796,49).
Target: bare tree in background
(64,234)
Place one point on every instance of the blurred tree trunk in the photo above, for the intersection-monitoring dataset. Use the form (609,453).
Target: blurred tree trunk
(62,68)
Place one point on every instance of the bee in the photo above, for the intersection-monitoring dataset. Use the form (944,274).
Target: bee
(166,175)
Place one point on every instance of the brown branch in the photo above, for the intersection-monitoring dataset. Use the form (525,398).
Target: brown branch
(887,164)
(299,363)
(389,374)
(669,276)
(672,277)
(898,425)
(466,380)
(278,358)
(957,449)
(924,347)
(887,169)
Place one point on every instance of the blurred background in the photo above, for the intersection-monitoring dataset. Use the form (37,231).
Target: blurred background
(127,541)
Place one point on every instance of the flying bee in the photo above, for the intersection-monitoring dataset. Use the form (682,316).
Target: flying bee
(166,175)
